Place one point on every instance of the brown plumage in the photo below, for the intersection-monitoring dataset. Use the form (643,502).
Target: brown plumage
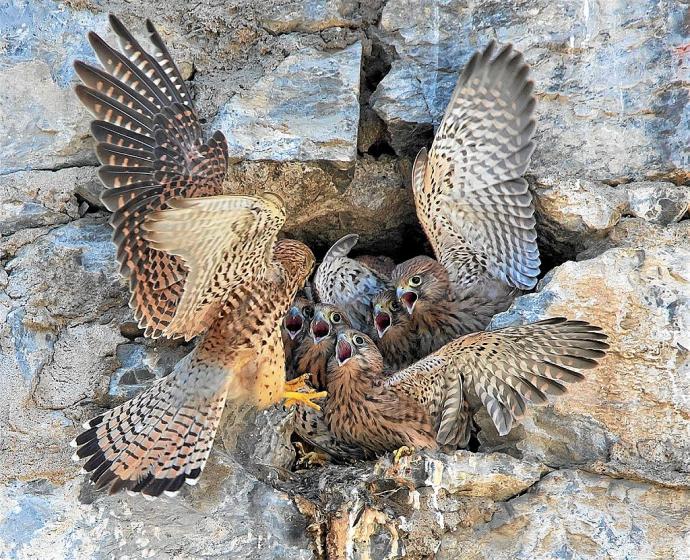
(397,336)
(318,345)
(196,266)
(473,203)
(294,328)
(348,283)
(438,314)
(426,405)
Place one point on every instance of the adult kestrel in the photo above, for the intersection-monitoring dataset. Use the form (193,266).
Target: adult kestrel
(348,283)
(471,199)
(198,263)
(426,405)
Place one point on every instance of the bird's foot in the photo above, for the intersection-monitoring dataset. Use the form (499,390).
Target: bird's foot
(297,383)
(401,452)
(308,459)
(294,397)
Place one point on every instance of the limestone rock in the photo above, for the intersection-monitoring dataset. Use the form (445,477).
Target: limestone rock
(307,109)
(570,514)
(41,198)
(660,203)
(630,417)
(293,15)
(229,514)
(571,212)
(608,79)
(42,122)
(323,204)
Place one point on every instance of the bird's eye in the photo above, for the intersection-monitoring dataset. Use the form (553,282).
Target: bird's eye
(358,340)
(395,306)
(415,281)
(336,318)
(308,311)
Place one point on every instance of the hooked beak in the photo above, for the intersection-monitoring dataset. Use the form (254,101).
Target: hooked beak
(294,322)
(343,350)
(382,321)
(320,329)
(408,298)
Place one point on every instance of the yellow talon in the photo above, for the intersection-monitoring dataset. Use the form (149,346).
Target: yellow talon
(297,383)
(401,452)
(294,397)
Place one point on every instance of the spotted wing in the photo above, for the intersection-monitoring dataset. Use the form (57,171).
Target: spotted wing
(504,368)
(224,242)
(471,198)
(151,146)
(348,283)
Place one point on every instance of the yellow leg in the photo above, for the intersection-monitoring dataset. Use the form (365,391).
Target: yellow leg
(297,383)
(401,452)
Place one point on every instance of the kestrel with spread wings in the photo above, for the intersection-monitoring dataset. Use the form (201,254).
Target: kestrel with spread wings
(198,263)
(474,206)
(426,404)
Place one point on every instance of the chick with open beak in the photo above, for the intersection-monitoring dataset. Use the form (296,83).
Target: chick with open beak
(361,410)
(293,330)
(397,338)
(317,348)
(438,316)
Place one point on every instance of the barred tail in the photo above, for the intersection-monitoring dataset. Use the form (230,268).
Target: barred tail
(155,442)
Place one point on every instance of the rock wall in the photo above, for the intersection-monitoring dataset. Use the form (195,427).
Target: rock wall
(325,102)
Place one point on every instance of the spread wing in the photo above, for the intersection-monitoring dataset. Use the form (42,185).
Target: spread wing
(471,198)
(504,368)
(151,146)
(224,242)
(348,283)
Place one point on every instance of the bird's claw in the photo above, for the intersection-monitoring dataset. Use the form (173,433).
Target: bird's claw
(401,452)
(297,383)
(295,397)
(310,458)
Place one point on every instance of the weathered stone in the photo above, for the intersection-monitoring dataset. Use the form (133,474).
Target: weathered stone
(229,514)
(609,78)
(631,414)
(570,514)
(570,212)
(324,204)
(286,16)
(32,199)
(42,122)
(307,109)
(660,203)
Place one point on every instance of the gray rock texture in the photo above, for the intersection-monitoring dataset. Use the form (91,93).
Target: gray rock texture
(325,102)
(610,78)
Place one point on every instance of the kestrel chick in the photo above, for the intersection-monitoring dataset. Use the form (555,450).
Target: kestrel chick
(397,339)
(293,330)
(438,315)
(318,346)
(470,197)
(348,283)
(425,405)
(198,263)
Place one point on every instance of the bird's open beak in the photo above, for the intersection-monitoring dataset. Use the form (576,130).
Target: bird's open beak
(293,322)
(343,351)
(320,329)
(382,321)
(408,298)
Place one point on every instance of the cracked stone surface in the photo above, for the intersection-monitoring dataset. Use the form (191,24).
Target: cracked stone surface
(339,94)
(609,77)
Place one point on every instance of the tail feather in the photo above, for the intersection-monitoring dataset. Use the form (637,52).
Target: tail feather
(155,442)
